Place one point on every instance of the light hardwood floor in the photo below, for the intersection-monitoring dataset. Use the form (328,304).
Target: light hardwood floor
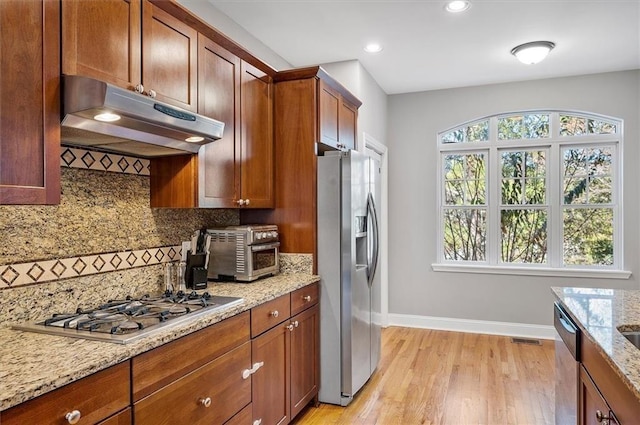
(450,378)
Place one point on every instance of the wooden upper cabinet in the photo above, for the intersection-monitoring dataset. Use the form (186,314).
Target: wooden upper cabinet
(219,98)
(101,39)
(257,163)
(337,118)
(131,42)
(169,58)
(30,102)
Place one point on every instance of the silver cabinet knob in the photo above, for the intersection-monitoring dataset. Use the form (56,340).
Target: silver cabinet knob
(152,94)
(307,298)
(73,417)
(274,313)
(296,324)
(601,418)
(257,422)
(290,327)
(206,402)
(247,202)
(139,88)
(240,202)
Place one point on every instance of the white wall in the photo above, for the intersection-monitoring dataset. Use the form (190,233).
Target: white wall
(372,115)
(218,20)
(414,121)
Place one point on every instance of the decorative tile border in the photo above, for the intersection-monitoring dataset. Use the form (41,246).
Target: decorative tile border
(14,275)
(73,157)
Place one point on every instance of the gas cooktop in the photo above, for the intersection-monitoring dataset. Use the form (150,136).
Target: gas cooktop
(129,319)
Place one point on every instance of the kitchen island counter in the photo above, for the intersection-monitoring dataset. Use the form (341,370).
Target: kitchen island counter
(600,313)
(33,364)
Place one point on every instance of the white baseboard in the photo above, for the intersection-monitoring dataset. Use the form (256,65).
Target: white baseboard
(473,326)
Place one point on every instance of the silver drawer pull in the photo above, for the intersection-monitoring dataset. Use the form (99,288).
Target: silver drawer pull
(257,422)
(274,313)
(307,298)
(248,372)
(73,417)
(206,402)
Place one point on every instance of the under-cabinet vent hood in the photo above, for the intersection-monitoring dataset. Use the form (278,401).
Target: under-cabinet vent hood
(145,127)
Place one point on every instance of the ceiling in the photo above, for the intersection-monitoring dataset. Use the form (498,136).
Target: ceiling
(427,48)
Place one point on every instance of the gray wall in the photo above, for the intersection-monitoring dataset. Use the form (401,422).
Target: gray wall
(414,121)
(372,115)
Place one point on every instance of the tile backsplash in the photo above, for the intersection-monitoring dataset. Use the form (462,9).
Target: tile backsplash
(103,217)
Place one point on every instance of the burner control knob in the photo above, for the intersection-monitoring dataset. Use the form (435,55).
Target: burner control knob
(73,417)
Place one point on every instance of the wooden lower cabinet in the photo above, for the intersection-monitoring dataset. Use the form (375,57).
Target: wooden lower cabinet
(305,352)
(243,417)
(270,394)
(594,409)
(288,357)
(209,395)
(93,398)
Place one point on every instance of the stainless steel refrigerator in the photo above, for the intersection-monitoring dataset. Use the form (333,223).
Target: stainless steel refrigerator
(348,189)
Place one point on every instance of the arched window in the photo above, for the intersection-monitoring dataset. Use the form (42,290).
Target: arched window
(537,189)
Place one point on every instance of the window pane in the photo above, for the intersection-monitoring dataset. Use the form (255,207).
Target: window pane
(601,127)
(465,179)
(524,180)
(587,175)
(536,126)
(572,126)
(510,128)
(456,136)
(465,234)
(478,132)
(588,236)
(524,236)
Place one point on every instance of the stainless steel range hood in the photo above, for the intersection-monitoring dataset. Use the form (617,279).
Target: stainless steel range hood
(146,127)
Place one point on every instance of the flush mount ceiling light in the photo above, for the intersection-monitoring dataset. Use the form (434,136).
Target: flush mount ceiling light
(457,6)
(194,139)
(373,48)
(534,52)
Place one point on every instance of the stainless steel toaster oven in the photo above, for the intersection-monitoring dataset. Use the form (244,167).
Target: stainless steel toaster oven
(243,253)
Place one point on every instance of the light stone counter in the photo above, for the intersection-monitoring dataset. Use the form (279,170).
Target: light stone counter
(600,313)
(32,364)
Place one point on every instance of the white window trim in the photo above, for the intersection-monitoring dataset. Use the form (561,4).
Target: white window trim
(554,144)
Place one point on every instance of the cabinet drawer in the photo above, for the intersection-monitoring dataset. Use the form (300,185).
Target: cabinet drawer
(243,417)
(218,383)
(269,314)
(96,397)
(122,418)
(303,298)
(156,368)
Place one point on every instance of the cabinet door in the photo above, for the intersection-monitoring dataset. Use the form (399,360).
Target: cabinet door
(305,346)
(270,383)
(593,409)
(122,418)
(257,166)
(347,121)
(30,102)
(330,106)
(169,58)
(101,39)
(219,98)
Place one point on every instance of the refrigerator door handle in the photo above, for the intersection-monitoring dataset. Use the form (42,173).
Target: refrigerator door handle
(373,260)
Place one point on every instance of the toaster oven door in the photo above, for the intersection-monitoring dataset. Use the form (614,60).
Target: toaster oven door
(264,260)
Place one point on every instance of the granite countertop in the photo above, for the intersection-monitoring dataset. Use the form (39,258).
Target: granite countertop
(33,364)
(600,313)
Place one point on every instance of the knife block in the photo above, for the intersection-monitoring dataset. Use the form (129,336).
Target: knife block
(196,271)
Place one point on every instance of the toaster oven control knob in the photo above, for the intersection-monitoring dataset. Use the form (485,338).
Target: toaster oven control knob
(206,402)
(73,417)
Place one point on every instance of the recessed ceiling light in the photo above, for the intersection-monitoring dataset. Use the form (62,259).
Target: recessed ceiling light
(194,139)
(457,6)
(107,117)
(373,48)
(534,52)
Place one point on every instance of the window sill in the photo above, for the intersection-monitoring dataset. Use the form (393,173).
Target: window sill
(531,271)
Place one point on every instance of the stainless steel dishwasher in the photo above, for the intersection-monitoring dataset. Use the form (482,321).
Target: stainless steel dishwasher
(567,367)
